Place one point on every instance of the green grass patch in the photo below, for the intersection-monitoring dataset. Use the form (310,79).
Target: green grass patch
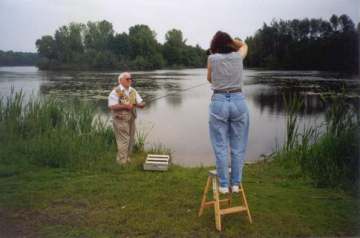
(125,201)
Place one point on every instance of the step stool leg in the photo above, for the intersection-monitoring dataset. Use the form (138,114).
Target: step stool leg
(245,203)
(216,204)
(203,200)
(230,199)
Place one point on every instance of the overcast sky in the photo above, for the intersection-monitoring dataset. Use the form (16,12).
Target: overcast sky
(24,21)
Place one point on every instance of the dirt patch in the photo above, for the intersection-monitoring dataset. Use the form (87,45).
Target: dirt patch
(14,224)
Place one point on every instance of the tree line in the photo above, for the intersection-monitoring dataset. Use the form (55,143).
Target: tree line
(11,58)
(307,44)
(96,45)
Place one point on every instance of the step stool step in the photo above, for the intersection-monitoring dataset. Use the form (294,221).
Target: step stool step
(232,210)
(211,203)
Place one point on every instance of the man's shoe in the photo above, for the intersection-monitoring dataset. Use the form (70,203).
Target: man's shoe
(235,188)
(223,190)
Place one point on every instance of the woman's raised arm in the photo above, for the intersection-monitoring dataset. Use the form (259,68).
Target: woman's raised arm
(241,47)
(209,71)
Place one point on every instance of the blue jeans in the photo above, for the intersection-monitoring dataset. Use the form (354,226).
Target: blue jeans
(229,128)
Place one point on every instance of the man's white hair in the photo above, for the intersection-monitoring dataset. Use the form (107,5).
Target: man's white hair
(122,75)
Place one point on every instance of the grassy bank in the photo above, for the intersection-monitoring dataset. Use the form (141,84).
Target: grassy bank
(58,178)
(114,201)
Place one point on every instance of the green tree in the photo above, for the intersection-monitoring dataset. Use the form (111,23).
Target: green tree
(46,47)
(98,34)
(120,46)
(174,48)
(96,45)
(306,44)
(62,44)
(11,58)
(142,41)
(334,22)
(144,47)
(346,24)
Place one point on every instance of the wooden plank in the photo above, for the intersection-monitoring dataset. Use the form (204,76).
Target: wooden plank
(203,200)
(210,203)
(216,204)
(156,162)
(233,210)
(157,159)
(245,203)
(158,156)
(163,158)
(155,167)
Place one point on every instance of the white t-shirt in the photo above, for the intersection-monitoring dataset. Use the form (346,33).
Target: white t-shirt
(113,98)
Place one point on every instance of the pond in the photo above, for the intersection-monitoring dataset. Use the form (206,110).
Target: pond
(180,119)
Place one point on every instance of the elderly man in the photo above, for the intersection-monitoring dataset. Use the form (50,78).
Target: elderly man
(123,101)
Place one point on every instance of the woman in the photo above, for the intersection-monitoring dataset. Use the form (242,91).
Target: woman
(228,114)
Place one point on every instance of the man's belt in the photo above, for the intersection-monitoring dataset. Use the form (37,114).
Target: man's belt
(227,91)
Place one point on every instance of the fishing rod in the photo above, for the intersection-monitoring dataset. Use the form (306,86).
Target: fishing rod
(182,90)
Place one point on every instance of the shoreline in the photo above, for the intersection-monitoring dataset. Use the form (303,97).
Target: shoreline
(348,74)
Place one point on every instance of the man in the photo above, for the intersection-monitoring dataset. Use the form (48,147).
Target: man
(123,101)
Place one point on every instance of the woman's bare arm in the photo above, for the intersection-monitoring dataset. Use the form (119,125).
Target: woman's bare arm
(241,47)
(209,71)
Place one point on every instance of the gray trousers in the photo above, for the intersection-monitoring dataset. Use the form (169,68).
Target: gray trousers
(124,130)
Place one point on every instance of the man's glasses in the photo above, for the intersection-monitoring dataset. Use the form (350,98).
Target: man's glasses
(129,79)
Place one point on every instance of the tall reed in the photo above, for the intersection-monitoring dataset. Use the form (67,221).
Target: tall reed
(52,133)
(328,154)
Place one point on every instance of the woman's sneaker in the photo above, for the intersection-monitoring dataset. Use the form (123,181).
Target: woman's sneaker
(235,188)
(223,190)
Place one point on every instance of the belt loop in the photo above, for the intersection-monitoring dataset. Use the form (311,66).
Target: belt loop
(227,96)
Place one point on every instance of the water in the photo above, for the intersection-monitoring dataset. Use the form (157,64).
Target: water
(180,121)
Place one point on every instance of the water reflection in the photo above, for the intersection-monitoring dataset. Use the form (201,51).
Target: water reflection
(274,102)
(310,87)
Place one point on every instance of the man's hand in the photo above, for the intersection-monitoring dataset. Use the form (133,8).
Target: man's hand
(128,106)
(118,107)
(140,105)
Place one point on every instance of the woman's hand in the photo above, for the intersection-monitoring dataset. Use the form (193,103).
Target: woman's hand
(241,47)
(237,43)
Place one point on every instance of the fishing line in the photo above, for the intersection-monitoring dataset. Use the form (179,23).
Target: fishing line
(174,93)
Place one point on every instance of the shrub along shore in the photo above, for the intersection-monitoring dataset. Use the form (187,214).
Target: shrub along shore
(58,178)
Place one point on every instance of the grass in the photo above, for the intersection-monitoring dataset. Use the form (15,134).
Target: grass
(115,201)
(58,178)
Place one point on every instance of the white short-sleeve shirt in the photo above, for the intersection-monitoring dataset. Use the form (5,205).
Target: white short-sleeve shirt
(113,98)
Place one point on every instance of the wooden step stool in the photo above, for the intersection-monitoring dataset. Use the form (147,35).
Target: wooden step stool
(217,202)
(157,162)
